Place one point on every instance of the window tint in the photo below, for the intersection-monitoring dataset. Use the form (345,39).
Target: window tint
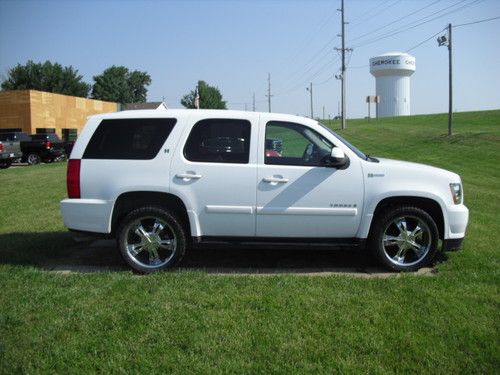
(294,144)
(14,137)
(43,137)
(129,138)
(219,141)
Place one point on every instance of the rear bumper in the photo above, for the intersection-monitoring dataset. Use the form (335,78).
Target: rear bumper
(89,215)
(10,155)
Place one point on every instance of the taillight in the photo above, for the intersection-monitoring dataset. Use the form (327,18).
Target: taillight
(47,145)
(73,178)
(1,147)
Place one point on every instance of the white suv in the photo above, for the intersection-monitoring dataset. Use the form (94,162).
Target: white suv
(162,181)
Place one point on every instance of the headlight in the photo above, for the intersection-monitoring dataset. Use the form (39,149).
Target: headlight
(456,192)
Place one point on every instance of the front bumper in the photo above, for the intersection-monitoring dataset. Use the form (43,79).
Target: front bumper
(458,218)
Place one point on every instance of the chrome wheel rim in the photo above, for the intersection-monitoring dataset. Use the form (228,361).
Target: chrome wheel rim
(406,240)
(32,159)
(150,242)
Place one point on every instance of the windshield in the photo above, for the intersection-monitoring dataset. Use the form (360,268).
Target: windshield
(344,141)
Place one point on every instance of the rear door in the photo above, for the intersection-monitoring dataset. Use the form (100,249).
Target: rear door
(214,172)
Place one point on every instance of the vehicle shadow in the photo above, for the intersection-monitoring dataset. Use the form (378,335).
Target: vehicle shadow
(58,251)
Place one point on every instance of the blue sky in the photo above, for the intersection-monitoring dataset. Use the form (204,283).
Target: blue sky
(234,44)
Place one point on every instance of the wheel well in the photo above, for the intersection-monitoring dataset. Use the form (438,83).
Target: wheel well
(127,202)
(428,205)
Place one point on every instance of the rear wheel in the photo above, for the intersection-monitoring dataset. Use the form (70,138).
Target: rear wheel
(404,238)
(4,164)
(150,239)
(33,159)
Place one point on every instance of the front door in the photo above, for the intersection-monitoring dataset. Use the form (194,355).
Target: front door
(296,195)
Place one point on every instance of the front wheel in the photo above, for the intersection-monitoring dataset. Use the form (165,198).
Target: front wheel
(150,239)
(404,238)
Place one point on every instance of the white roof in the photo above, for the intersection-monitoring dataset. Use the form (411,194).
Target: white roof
(213,113)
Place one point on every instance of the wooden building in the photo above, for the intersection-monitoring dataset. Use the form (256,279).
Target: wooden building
(30,109)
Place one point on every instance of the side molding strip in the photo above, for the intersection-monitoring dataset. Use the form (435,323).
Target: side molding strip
(320,211)
(229,210)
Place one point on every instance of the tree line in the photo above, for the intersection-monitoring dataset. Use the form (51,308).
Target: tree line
(115,84)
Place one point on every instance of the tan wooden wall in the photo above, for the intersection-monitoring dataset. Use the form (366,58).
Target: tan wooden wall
(15,110)
(32,109)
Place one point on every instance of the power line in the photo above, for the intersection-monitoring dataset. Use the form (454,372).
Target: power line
(410,25)
(311,77)
(406,28)
(426,40)
(364,16)
(313,34)
(473,23)
(397,20)
(359,66)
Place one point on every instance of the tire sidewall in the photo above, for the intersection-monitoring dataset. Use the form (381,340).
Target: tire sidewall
(381,224)
(37,159)
(170,219)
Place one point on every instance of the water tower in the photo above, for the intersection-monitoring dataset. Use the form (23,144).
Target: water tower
(392,73)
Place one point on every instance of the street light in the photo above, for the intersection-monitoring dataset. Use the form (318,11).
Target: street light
(445,40)
(310,89)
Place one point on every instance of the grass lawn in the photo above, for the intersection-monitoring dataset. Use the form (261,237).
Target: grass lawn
(195,322)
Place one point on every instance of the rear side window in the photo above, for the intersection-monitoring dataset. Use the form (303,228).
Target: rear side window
(139,139)
(219,141)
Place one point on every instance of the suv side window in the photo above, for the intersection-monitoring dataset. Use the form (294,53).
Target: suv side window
(219,141)
(288,143)
(139,139)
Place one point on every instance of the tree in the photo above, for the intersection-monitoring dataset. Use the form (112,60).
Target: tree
(118,84)
(210,97)
(46,77)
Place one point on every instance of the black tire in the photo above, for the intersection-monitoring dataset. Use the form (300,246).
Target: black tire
(33,158)
(148,218)
(4,164)
(398,249)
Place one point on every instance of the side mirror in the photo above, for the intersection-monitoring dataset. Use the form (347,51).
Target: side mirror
(337,159)
(337,153)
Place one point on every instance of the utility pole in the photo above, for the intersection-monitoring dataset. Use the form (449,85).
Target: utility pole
(446,41)
(343,69)
(254,102)
(323,113)
(269,91)
(310,89)
(450,84)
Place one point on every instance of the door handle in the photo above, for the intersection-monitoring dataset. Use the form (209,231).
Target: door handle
(275,180)
(188,176)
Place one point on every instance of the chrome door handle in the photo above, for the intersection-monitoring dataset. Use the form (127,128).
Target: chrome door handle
(188,176)
(275,180)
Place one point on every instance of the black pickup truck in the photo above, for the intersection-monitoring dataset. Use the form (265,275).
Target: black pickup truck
(37,147)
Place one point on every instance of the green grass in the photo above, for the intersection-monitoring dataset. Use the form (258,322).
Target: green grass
(194,322)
